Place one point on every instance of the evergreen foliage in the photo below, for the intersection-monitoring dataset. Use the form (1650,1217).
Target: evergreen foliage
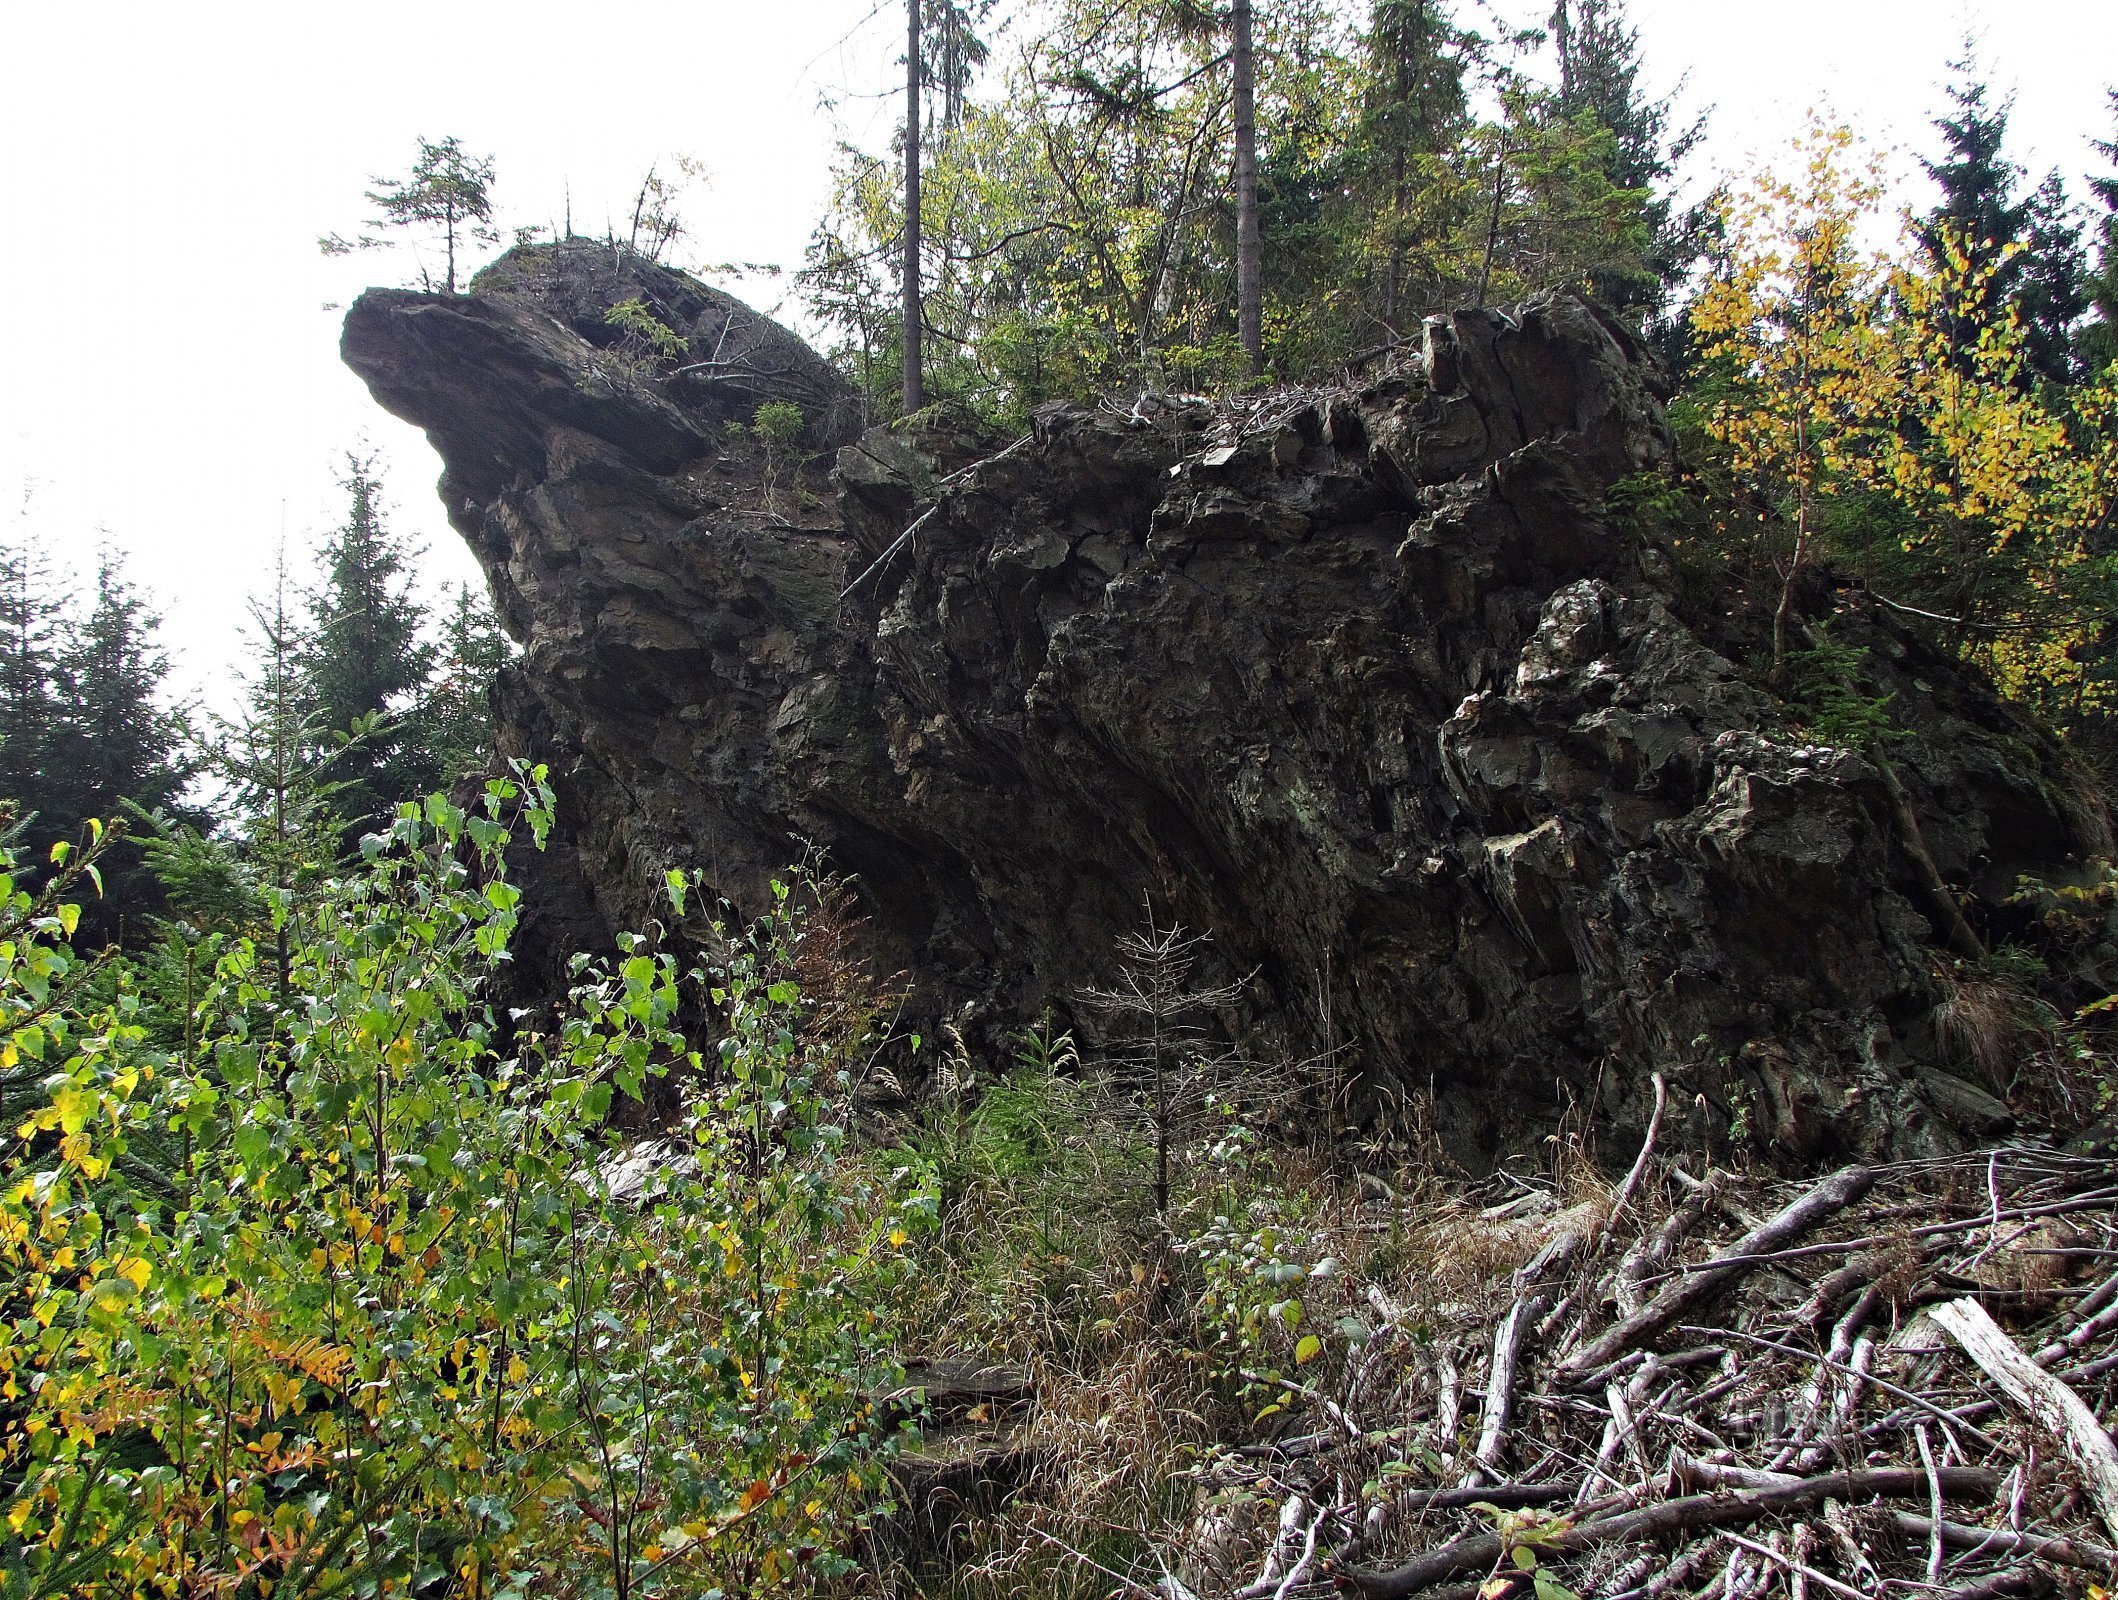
(1084,232)
(1600,66)
(32,692)
(361,659)
(2099,340)
(2023,247)
(458,715)
(448,192)
(85,730)
(121,748)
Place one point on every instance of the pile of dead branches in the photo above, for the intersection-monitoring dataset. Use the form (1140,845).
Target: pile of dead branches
(1886,1382)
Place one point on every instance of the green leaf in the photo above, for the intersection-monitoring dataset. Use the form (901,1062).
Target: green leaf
(1307,1349)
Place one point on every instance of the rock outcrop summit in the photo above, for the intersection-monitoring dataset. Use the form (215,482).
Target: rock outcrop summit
(1478,784)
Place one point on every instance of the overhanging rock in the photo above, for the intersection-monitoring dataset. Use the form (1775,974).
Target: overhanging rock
(1362,682)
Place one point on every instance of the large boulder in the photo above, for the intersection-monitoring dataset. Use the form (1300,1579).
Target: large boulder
(1492,812)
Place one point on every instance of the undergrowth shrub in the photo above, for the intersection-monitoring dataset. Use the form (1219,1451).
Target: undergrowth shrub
(397,1315)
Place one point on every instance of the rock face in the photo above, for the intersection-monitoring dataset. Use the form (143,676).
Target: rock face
(1364,682)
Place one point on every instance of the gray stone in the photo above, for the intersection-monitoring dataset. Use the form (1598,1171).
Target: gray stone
(1488,807)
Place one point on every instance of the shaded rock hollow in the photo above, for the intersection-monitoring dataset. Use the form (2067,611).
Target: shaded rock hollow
(1365,683)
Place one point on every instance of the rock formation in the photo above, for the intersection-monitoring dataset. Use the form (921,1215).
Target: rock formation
(1366,682)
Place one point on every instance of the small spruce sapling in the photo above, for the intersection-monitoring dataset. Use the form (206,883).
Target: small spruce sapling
(448,191)
(647,343)
(777,427)
(1166,1011)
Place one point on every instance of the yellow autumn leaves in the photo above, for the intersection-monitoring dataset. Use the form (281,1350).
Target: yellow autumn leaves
(1843,371)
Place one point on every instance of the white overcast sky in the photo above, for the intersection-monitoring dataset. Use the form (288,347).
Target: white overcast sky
(171,380)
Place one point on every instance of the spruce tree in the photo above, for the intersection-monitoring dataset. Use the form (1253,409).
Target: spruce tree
(1249,242)
(459,711)
(913,366)
(2054,293)
(31,691)
(448,192)
(117,745)
(2025,247)
(2099,340)
(360,660)
(278,762)
(83,732)
(120,742)
(1599,73)
(1415,113)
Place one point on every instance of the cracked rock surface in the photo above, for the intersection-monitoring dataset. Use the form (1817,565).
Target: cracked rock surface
(1363,682)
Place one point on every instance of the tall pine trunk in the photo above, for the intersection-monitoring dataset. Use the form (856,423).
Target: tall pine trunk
(915,391)
(1250,293)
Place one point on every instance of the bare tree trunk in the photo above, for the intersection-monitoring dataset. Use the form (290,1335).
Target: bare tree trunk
(1783,613)
(914,311)
(952,21)
(1500,189)
(1400,188)
(1250,293)
(1563,36)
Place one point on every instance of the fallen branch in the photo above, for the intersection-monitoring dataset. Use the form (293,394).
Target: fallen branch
(1530,1303)
(1799,1569)
(2050,1402)
(1484,1551)
(1951,1418)
(1827,1199)
(2000,1541)
(1647,1149)
(2015,1583)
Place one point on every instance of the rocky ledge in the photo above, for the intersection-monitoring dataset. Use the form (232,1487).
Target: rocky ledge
(1477,785)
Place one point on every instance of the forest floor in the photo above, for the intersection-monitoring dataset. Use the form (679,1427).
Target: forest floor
(1672,1380)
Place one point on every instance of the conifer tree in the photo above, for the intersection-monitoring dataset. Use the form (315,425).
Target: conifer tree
(360,659)
(459,711)
(118,746)
(2099,340)
(121,741)
(31,693)
(83,730)
(449,191)
(955,52)
(1250,303)
(1599,73)
(913,365)
(1414,114)
(278,761)
(2024,248)
(2054,292)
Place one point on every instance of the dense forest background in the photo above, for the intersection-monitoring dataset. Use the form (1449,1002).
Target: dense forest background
(319,1275)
